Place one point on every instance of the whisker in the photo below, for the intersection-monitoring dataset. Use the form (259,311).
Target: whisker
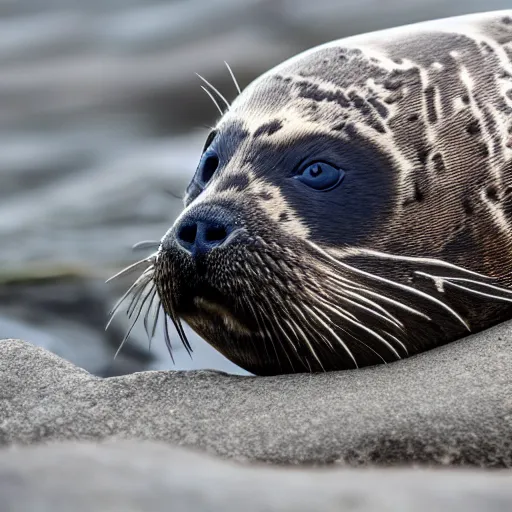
(447,279)
(142,303)
(360,325)
(233,77)
(401,286)
(351,335)
(127,335)
(130,268)
(171,193)
(335,336)
(348,285)
(290,341)
(422,261)
(345,291)
(299,311)
(155,322)
(300,334)
(135,299)
(214,89)
(167,338)
(143,280)
(181,333)
(394,302)
(273,328)
(384,318)
(265,332)
(476,292)
(148,312)
(118,304)
(397,340)
(146,244)
(213,99)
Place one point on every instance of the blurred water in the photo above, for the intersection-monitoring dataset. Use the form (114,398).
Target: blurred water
(101,124)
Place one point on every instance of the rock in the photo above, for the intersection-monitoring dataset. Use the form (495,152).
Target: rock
(449,406)
(150,477)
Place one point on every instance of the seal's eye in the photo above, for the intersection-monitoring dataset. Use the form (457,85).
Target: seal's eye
(207,166)
(321,176)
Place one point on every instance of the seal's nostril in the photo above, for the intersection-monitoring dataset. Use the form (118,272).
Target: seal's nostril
(201,232)
(188,233)
(215,234)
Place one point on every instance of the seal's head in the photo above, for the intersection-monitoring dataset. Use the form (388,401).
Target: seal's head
(315,235)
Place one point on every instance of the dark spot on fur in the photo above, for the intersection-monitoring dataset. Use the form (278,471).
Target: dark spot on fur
(465,99)
(423,155)
(392,85)
(438,162)
(266,196)
(358,102)
(484,150)
(394,81)
(468,208)
(393,98)
(367,112)
(269,128)
(417,197)
(339,127)
(326,61)
(418,194)
(492,193)
(316,93)
(379,107)
(507,20)
(431,106)
(473,128)
(509,94)
(284,217)
(486,47)
(413,118)
(238,183)
(378,126)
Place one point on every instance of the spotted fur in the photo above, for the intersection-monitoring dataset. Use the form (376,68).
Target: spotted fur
(413,250)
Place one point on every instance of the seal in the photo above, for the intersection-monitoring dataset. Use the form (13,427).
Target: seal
(352,206)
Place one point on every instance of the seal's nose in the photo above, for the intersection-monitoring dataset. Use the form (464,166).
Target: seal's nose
(199,235)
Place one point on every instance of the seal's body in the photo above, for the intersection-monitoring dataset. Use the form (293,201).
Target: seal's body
(354,204)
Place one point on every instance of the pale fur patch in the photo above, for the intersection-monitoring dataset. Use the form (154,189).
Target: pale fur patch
(277,205)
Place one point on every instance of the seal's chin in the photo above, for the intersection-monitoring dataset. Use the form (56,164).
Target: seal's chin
(213,313)
(198,286)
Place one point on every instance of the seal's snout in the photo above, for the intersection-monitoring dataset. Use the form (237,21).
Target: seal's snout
(200,233)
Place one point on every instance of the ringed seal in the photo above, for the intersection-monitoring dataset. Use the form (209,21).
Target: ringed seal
(352,206)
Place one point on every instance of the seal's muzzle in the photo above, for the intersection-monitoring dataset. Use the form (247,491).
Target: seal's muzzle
(199,232)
